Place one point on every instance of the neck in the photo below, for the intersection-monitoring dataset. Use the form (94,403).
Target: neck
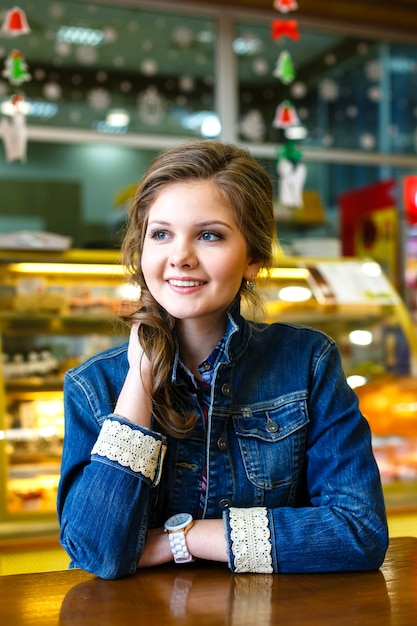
(197,343)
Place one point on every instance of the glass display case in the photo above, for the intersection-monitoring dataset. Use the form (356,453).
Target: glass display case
(58,308)
(353,301)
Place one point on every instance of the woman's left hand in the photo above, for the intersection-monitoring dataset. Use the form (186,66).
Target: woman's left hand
(157,550)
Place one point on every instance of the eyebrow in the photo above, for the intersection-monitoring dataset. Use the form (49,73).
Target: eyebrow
(198,225)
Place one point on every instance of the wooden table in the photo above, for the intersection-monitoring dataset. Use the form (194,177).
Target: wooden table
(209,594)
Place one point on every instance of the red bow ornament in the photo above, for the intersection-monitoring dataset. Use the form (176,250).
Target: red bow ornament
(285,28)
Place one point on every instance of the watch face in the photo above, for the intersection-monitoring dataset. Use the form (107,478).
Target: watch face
(178,521)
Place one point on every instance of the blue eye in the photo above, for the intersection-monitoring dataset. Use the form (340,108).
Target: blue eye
(210,236)
(159,235)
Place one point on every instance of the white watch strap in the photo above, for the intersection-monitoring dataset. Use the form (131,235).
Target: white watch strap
(179,548)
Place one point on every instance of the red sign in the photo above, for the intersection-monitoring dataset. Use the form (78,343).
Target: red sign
(410,198)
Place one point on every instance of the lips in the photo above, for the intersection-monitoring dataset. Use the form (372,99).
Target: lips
(185,283)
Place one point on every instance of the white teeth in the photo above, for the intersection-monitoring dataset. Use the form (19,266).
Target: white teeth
(185,283)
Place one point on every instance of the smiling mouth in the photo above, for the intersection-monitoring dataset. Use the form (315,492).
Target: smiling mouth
(186,283)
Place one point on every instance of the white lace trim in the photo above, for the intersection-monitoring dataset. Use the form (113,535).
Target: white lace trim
(130,448)
(250,535)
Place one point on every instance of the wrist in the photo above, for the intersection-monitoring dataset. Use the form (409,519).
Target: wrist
(177,527)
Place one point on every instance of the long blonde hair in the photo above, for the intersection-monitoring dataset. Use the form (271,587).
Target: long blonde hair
(247,189)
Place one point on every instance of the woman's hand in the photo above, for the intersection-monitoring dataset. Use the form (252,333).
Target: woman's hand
(157,550)
(134,402)
(205,540)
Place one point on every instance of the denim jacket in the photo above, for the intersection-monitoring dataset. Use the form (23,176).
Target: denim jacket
(287,454)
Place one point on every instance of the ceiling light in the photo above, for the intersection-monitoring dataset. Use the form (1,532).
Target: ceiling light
(211,126)
(361,337)
(295,293)
(356,381)
(246,46)
(80,36)
(206,122)
(118,118)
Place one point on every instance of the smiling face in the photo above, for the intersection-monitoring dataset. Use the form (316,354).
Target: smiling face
(194,255)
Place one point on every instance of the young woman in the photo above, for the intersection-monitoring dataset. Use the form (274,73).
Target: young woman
(209,436)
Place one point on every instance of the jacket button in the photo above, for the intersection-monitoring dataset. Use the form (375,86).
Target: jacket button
(226,389)
(222,443)
(272,427)
(225,503)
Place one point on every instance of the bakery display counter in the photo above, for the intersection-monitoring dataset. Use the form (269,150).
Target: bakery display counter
(352,301)
(58,308)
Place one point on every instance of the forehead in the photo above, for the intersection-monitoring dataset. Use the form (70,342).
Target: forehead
(191,199)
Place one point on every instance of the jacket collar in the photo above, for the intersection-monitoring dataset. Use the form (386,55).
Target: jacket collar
(232,344)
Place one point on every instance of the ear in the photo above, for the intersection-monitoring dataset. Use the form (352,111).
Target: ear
(252,269)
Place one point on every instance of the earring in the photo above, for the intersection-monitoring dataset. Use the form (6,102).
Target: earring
(250,285)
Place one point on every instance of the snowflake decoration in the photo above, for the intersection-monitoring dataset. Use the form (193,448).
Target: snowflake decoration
(125,86)
(186,83)
(330,59)
(298,90)
(149,67)
(329,90)
(260,67)
(75,116)
(367,141)
(328,141)
(101,76)
(52,91)
(373,70)
(352,111)
(63,49)
(86,55)
(119,61)
(183,36)
(253,126)
(110,34)
(374,94)
(56,10)
(152,106)
(98,98)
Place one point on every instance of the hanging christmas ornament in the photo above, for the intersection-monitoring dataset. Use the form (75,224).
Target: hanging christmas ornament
(285,28)
(15,22)
(285,6)
(290,152)
(285,115)
(16,68)
(284,69)
(13,131)
(292,178)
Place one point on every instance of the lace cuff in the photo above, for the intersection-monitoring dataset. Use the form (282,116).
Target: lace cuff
(250,540)
(131,448)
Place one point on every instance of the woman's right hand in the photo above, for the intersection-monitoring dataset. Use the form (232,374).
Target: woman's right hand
(134,402)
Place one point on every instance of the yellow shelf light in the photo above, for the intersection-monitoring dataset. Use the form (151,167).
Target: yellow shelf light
(102,269)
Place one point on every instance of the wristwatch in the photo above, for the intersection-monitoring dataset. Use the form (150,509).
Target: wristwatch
(177,527)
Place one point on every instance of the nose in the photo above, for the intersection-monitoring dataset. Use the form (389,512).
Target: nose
(183,254)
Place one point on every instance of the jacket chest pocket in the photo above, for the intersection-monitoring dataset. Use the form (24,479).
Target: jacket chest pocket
(272,442)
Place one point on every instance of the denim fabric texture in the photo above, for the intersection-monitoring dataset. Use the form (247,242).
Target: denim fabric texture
(284,432)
